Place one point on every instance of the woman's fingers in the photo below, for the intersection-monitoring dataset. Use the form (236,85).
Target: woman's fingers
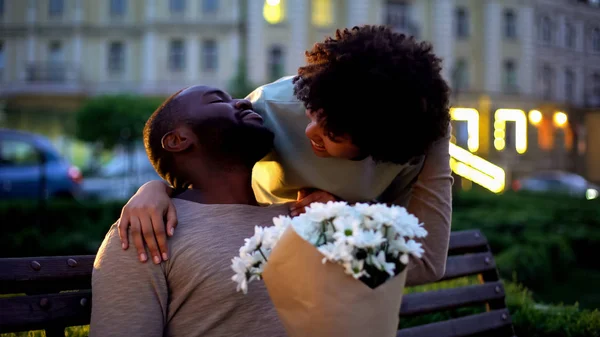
(319,196)
(148,235)
(136,237)
(122,226)
(161,234)
(171,219)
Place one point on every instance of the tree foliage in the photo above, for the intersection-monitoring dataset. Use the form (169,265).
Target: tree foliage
(114,120)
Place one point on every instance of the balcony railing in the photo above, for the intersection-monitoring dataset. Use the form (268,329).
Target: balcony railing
(52,72)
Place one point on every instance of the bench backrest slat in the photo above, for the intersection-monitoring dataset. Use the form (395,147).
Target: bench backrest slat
(467,265)
(40,311)
(470,241)
(483,323)
(45,274)
(439,300)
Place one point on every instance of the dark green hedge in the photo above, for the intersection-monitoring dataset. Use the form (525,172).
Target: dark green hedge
(58,228)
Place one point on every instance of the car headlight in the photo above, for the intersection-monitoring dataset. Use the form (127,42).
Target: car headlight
(591,194)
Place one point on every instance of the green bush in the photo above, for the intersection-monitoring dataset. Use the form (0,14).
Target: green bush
(114,119)
(532,319)
(59,228)
(540,238)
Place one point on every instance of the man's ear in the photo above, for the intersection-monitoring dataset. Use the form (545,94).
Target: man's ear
(177,140)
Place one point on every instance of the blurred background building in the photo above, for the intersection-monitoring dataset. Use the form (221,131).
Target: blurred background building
(525,73)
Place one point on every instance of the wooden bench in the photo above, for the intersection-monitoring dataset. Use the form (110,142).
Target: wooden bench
(58,294)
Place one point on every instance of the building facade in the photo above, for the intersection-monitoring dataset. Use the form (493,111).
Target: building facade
(524,73)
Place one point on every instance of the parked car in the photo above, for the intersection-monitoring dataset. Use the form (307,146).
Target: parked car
(121,177)
(558,182)
(31,168)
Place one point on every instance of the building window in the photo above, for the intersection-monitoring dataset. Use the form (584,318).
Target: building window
(546,30)
(116,58)
(461,75)
(276,63)
(1,8)
(547,82)
(569,85)
(596,86)
(210,6)
(56,8)
(322,13)
(510,24)
(176,55)
(510,76)
(56,64)
(570,35)
(210,56)
(2,61)
(397,16)
(596,39)
(462,23)
(177,6)
(274,11)
(118,7)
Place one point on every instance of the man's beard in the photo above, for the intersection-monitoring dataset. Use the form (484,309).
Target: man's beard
(235,144)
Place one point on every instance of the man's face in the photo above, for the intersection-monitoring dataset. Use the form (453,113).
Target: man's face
(224,126)
(325,146)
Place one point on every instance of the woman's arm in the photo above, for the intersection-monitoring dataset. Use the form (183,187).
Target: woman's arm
(145,213)
(431,202)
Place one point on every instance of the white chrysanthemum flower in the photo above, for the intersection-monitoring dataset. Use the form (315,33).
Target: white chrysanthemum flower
(271,236)
(240,268)
(415,248)
(379,262)
(346,225)
(319,212)
(254,242)
(282,221)
(404,259)
(397,245)
(355,268)
(367,239)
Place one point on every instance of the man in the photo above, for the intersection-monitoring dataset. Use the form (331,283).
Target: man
(204,144)
(378,130)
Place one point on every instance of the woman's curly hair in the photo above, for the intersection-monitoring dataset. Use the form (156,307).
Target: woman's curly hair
(383,89)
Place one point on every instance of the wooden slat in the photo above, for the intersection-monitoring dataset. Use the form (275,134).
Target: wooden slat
(45,274)
(25,313)
(470,241)
(470,264)
(433,301)
(463,326)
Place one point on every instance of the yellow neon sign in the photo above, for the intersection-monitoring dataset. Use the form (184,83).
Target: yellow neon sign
(535,117)
(477,169)
(471,116)
(560,119)
(510,115)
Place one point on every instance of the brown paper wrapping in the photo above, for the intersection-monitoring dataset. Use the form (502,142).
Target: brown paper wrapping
(321,300)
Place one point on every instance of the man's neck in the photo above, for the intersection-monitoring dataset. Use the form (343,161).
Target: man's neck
(222,187)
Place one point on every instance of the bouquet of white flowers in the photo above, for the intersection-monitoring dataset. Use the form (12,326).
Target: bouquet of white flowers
(371,243)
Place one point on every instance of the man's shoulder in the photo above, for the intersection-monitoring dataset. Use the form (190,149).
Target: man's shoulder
(196,213)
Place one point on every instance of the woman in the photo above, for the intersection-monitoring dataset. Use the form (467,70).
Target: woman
(378,130)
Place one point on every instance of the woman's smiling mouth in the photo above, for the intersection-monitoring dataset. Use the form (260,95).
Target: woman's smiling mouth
(317,147)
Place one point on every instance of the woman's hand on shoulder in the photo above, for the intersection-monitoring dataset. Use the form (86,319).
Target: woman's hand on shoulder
(144,216)
(307,197)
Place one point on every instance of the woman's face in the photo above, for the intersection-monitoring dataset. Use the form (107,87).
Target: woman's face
(325,146)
